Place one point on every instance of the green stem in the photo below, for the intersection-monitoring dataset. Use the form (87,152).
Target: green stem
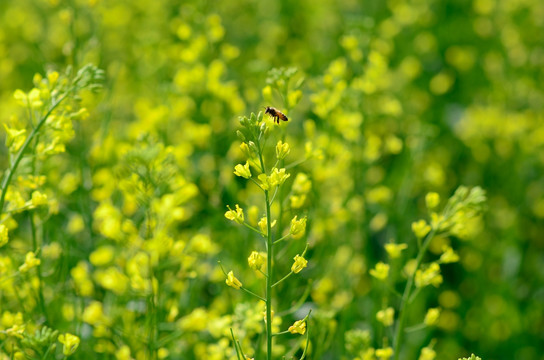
(284,278)
(282,238)
(269,266)
(406,295)
(252,228)
(41,298)
(269,259)
(252,293)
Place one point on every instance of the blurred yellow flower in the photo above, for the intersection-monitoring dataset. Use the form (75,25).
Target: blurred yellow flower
(381,271)
(282,150)
(432,200)
(298,227)
(386,316)
(394,250)
(431,318)
(421,228)
(299,327)
(4,236)
(256,260)
(30,262)
(70,343)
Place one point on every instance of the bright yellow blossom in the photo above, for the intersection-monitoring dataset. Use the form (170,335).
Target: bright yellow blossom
(278,177)
(232,281)
(299,327)
(242,170)
(299,264)
(235,215)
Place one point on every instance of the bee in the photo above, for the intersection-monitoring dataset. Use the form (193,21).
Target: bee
(275,114)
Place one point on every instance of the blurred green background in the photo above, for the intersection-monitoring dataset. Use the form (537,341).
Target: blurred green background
(400,98)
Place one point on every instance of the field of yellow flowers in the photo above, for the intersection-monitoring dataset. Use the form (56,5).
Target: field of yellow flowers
(236,180)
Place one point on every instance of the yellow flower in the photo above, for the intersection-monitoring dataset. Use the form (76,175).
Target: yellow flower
(256,260)
(245,149)
(420,228)
(242,170)
(381,271)
(34,98)
(123,353)
(278,177)
(386,317)
(431,318)
(266,184)
(94,313)
(235,215)
(394,250)
(16,330)
(298,227)
(30,262)
(263,225)
(282,150)
(14,138)
(297,201)
(70,342)
(38,198)
(431,275)
(163,353)
(432,200)
(232,281)
(427,354)
(4,237)
(384,354)
(299,264)
(299,327)
(449,256)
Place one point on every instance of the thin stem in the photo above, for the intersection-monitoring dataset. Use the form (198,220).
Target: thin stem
(281,239)
(292,165)
(256,183)
(284,278)
(252,228)
(269,265)
(407,292)
(252,293)
(307,335)
(291,273)
(235,345)
(281,333)
(41,298)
